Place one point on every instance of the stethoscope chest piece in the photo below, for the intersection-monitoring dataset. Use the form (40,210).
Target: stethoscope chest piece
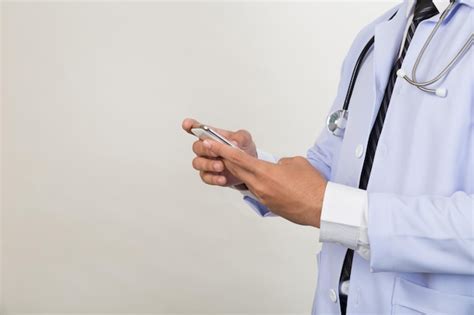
(337,121)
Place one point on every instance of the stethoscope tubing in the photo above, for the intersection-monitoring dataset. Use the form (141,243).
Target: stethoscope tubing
(357,67)
(423,85)
(337,120)
(355,72)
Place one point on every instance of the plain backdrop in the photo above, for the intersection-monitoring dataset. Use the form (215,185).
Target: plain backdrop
(101,209)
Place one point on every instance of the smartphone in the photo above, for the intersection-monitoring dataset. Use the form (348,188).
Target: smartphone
(204,132)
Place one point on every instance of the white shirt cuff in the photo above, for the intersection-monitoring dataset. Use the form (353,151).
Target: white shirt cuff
(344,218)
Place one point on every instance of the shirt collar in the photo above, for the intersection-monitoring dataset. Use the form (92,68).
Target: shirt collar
(441,5)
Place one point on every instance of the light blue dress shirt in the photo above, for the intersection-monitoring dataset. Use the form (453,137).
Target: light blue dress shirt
(420,194)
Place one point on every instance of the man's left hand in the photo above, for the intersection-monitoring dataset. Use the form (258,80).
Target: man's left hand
(292,189)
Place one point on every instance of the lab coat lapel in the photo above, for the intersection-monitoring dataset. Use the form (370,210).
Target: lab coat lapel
(388,37)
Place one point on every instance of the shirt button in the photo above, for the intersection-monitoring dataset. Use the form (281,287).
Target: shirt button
(333,295)
(359,151)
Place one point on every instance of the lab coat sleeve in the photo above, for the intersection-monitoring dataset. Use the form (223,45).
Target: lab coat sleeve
(326,147)
(423,234)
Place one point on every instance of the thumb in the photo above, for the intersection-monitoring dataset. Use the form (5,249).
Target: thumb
(189,124)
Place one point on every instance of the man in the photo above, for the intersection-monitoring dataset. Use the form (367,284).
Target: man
(393,197)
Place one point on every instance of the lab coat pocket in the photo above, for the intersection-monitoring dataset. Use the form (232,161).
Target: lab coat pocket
(402,310)
(411,298)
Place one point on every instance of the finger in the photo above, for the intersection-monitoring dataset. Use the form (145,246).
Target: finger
(240,173)
(208,165)
(242,137)
(200,150)
(189,124)
(240,164)
(234,155)
(213,178)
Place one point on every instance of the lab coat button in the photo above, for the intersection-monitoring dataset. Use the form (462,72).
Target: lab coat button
(359,151)
(333,295)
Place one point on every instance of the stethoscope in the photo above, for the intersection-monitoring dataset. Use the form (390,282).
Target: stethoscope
(337,120)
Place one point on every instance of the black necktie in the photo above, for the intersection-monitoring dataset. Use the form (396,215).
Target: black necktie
(424,9)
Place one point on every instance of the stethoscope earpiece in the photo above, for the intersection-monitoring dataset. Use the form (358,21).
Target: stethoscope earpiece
(441,92)
(401,73)
(425,86)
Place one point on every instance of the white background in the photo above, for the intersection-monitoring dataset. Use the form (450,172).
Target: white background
(101,210)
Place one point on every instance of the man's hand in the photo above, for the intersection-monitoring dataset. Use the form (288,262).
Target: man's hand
(211,168)
(292,189)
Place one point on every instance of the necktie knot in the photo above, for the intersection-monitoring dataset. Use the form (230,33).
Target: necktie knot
(424,9)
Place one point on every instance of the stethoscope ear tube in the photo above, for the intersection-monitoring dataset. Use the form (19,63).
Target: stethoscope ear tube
(337,120)
(425,86)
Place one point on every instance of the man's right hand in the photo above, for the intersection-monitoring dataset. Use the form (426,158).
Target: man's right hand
(211,168)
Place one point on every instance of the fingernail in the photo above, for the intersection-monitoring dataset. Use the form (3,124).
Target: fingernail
(207,144)
(217,167)
(221,180)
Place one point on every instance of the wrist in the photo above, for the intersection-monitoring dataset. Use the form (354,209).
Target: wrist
(319,204)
